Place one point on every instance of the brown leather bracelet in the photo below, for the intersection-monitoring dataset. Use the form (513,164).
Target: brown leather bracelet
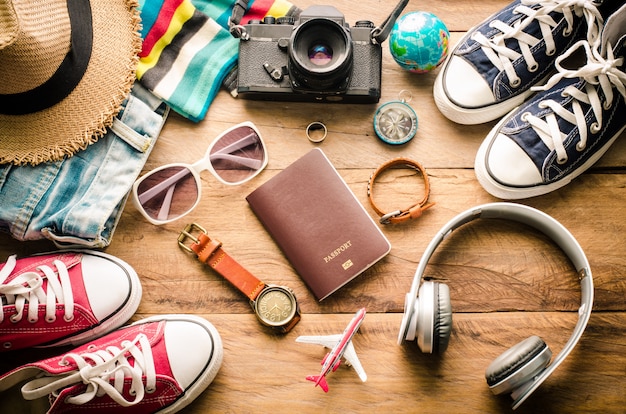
(401,215)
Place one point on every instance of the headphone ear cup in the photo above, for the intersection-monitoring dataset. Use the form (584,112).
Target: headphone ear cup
(443,318)
(517,365)
(433,317)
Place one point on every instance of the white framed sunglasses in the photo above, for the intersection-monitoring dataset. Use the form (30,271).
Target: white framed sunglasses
(171,191)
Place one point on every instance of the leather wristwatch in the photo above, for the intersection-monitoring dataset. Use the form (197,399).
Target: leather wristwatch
(275,306)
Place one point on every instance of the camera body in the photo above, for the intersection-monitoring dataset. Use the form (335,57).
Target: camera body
(316,58)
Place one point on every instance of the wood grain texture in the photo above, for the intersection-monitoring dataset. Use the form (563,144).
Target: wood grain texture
(507,281)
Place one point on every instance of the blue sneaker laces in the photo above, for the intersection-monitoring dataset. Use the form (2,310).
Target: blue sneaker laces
(502,56)
(600,72)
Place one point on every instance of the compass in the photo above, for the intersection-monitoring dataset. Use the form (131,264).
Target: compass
(395,122)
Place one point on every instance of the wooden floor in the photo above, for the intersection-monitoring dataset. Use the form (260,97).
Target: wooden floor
(507,281)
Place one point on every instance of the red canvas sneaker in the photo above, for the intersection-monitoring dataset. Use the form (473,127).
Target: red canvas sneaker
(64,298)
(156,365)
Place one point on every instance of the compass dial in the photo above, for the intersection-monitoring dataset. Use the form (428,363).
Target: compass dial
(395,123)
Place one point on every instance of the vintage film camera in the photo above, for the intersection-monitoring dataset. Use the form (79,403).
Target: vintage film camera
(316,57)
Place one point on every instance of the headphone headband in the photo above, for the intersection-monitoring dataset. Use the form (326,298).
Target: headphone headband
(541,222)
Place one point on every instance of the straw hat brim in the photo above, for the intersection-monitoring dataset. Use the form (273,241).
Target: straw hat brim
(82,117)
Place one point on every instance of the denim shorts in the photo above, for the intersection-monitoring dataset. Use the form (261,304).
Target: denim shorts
(78,201)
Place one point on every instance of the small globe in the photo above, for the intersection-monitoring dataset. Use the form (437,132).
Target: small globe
(419,41)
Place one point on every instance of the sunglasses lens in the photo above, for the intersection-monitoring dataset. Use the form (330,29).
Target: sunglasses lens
(168,194)
(238,155)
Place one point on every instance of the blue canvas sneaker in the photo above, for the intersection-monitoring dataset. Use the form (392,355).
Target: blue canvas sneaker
(493,67)
(565,128)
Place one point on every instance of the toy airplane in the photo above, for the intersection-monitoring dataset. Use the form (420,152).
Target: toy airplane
(341,345)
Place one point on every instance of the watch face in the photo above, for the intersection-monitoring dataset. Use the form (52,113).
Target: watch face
(275,306)
(395,123)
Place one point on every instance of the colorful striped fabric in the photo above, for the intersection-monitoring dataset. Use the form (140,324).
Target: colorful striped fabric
(187,49)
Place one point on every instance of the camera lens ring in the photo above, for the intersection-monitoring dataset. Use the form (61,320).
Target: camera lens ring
(325,37)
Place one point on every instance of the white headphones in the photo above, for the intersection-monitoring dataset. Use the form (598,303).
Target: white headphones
(428,313)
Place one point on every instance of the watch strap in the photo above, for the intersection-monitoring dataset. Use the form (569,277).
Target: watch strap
(411,212)
(210,251)
(292,323)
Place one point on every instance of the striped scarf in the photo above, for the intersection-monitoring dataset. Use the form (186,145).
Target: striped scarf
(187,50)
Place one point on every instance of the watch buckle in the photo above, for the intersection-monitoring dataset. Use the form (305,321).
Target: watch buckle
(186,234)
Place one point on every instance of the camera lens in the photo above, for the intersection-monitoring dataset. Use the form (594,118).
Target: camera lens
(320,55)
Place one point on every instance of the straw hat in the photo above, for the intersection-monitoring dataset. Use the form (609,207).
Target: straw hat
(65,68)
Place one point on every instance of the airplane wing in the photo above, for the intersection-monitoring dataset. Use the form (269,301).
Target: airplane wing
(329,341)
(352,359)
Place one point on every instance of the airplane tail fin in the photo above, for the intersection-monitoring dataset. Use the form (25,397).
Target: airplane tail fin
(319,380)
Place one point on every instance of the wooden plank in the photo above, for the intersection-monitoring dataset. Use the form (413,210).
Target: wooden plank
(265,372)
(485,256)
(400,378)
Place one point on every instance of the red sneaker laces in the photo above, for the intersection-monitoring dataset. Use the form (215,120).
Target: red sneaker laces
(104,371)
(29,288)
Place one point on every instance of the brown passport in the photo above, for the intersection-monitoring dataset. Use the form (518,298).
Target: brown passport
(316,220)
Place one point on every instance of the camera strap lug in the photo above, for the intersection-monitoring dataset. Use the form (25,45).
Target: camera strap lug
(380,34)
(239,9)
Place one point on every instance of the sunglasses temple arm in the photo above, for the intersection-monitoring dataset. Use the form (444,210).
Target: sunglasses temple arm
(164,211)
(246,162)
(160,187)
(239,144)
